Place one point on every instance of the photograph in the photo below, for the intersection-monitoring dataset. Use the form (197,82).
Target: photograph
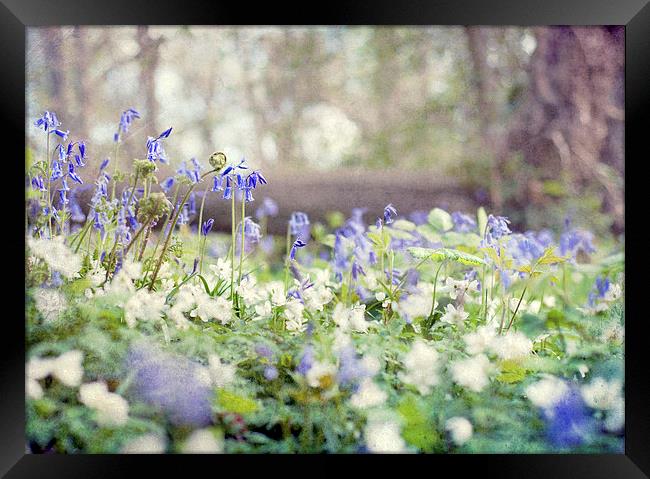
(324,239)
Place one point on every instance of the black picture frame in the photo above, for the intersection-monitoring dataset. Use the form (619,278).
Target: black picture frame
(16,15)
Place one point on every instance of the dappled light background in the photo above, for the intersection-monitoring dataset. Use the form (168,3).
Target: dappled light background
(528,122)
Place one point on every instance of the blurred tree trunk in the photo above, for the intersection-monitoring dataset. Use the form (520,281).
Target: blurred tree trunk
(53,39)
(485,87)
(83,98)
(570,126)
(149,57)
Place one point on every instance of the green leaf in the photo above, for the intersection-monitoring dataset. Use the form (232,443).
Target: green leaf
(442,254)
(549,257)
(440,220)
(511,372)
(232,402)
(418,430)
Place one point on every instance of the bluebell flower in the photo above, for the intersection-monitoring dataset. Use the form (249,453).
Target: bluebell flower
(357,270)
(184,216)
(574,240)
(568,422)
(307,360)
(497,227)
(194,174)
(268,208)
(48,121)
(351,368)
(299,224)
(57,172)
(599,290)
(207,226)
(155,149)
(104,164)
(463,223)
(170,383)
(296,244)
(167,184)
(73,175)
(76,213)
(252,233)
(126,118)
(270,373)
(227,192)
(38,184)
(389,213)
(218,183)
(264,351)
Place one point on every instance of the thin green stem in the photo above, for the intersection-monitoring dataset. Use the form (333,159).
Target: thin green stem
(205,193)
(243,237)
(287,260)
(435,286)
(233,218)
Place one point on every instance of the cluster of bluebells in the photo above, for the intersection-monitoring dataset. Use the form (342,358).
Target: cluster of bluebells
(574,240)
(463,223)
(126,119)
(49,123)
(171,384)
(352,248)
(231,177)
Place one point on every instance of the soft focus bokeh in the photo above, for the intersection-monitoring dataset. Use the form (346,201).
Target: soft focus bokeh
(529,122)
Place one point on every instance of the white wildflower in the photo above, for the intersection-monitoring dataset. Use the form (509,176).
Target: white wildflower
(321,375)
(317,296)
(368,395)
(222,374)
(480,340)
(511,345)
(51,303)
(615,420)
(460,430)
(547,392)
(112,409)
(56,255)
(454,316)
(384,436)
(296,322)
(145,306)
(602,394)
(422,366)
(472,373)
(146,444)
(203,441)
(68,368)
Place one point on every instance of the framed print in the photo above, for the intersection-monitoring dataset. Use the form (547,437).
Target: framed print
(379,233)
